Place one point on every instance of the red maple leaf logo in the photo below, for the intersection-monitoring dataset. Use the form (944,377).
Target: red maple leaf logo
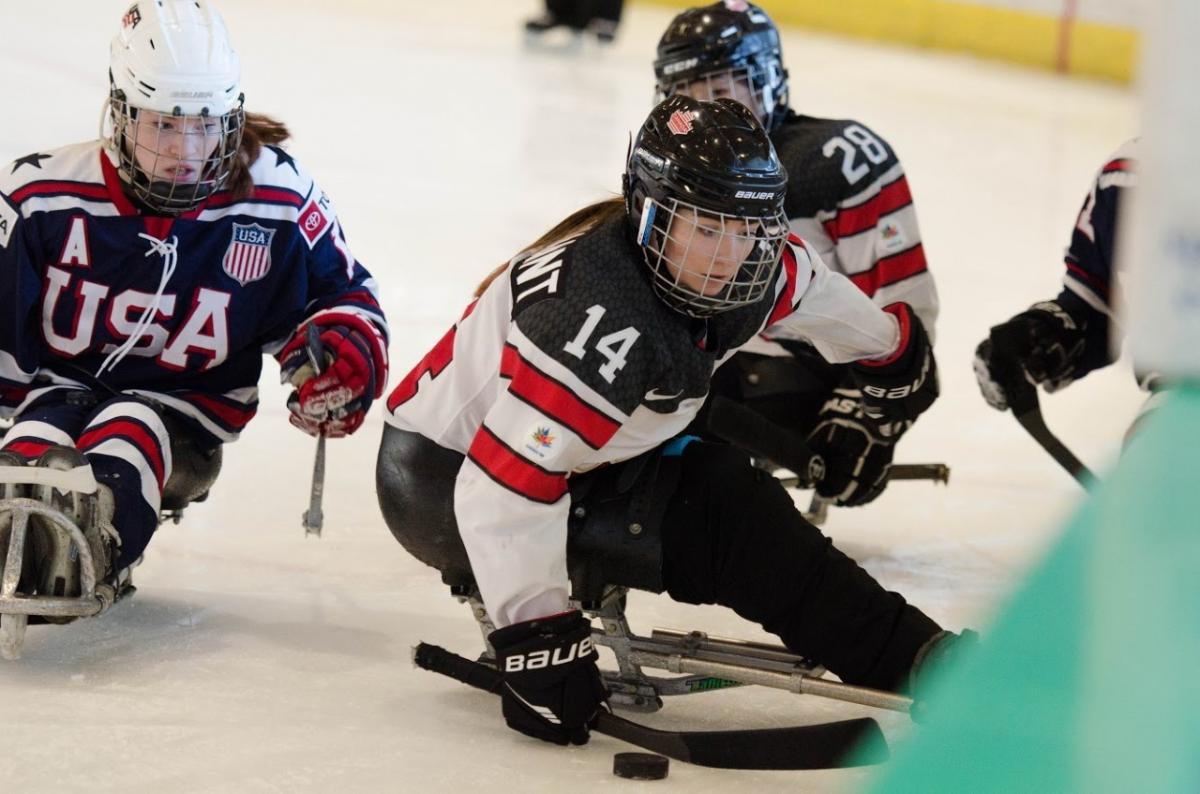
(680,123)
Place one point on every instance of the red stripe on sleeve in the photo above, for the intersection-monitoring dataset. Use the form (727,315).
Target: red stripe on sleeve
(555,400)
(1118,165)
(77,189)
(891,269)
(854,220)
(513,471)
(231,416)
(1091,279)
(902,313)
(783,305)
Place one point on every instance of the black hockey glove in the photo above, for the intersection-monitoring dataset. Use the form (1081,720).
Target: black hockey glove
(900,387)
(1043,345)
(857,449)
(552,687)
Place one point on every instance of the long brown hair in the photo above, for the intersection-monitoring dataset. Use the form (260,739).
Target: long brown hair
(577,222)
(259,130)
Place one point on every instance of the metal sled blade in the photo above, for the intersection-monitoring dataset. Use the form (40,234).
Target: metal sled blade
(15,607)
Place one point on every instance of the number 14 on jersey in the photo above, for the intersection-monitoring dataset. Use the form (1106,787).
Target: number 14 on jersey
(614,347)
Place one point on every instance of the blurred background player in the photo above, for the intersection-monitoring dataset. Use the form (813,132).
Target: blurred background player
(849,200)
(1056,342)
(143,277)
(598,17)
(554,408)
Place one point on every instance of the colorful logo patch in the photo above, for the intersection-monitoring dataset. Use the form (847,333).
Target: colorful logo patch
(248,257)
(680,123)
(541,442)
(543,438)
(892,238)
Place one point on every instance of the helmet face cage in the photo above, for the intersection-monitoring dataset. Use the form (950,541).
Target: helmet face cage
(754,81)
(201,150)
(703,262)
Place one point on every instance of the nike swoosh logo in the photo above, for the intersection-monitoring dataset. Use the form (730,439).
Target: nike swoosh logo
(654,395)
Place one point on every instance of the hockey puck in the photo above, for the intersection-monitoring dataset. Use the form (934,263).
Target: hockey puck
(641,766)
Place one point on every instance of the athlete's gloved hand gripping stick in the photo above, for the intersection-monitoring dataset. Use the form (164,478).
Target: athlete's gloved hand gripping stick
(848,457)
(552,688)
(1041,345)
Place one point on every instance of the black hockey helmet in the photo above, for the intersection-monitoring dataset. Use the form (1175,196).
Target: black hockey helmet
(729,40)
(704,189)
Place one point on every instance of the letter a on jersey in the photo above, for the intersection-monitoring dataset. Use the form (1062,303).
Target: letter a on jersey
(75,247)
(248,257)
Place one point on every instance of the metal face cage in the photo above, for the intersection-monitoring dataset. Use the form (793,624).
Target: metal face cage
(171,163)
(703,262)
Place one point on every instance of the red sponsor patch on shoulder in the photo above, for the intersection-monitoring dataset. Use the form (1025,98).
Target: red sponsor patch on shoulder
(313,222)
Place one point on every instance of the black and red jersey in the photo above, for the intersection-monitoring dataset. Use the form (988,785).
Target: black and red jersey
(849,198)
(569,361)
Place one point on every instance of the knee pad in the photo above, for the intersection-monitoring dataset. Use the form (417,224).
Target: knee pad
(414,481)
(194,469)
(615,529)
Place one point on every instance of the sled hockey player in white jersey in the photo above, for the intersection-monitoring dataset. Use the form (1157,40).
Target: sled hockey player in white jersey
(848,198)
(144,276)
(549,418)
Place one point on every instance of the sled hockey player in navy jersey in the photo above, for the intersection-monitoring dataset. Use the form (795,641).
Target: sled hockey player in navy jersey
(144,275)
(1056,342)
(536,453)
(848,199)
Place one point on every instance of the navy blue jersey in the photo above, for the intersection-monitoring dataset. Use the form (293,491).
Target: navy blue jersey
(180,310)
(1088,282)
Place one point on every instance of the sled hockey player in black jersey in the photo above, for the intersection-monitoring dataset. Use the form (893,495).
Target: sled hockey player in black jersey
(848,199)
(1056,342)
(535,455)
(144,275)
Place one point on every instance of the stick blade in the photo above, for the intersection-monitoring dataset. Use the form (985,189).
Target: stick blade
(831,745)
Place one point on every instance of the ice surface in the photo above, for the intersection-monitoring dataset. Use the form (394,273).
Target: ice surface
(254,659)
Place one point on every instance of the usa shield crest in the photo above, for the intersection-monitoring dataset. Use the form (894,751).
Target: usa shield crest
(248,257)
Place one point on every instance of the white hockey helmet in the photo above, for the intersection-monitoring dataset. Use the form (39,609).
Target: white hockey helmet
(174,59)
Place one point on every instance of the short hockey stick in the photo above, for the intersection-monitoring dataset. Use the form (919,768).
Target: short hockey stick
(314,518)
(831,745)
(1023,400)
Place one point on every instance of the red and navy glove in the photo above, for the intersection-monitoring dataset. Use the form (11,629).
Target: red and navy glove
(901,387)
(353,374)
(552,688)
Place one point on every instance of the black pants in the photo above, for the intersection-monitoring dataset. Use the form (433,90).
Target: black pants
(723,533)
(578,13)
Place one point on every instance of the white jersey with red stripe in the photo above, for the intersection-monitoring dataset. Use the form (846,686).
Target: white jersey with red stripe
(569,361)
(848,197)
(177,309)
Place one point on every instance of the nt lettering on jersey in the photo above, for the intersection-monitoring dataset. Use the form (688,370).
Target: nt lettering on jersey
(537,277)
